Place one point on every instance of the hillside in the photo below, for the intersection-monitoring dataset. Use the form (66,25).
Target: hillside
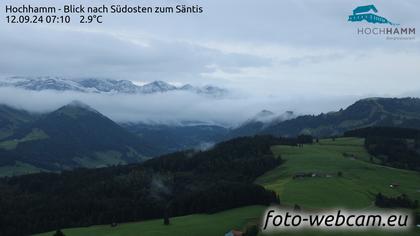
(360,181)
(177,184)
(73,136)
(11,119)
(396,112)
(260,122)
(355,189)
(172,138)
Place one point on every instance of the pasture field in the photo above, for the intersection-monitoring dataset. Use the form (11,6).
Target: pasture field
(191,225)
(359,182)
(355,189)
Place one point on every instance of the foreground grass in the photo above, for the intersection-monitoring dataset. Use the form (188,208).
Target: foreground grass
(191,225)
(413,232)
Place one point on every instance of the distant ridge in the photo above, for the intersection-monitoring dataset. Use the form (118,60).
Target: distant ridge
(390,112)
(93,85)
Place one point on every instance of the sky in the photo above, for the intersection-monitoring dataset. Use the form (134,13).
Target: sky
(300,55)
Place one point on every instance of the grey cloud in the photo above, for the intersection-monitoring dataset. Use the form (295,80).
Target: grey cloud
(323,57)
(313,59)
(172,107)
(99,54)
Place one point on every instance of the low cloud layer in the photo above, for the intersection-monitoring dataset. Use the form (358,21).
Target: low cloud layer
(172,107)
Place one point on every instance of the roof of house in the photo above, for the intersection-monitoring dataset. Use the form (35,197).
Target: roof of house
(234,233)
(237,233)
(363,9)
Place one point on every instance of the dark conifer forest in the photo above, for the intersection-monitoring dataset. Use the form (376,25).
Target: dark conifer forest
(396,147)
(176,184)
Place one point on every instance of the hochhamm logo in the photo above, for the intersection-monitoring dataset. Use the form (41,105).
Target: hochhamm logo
(391,30)
(367,13)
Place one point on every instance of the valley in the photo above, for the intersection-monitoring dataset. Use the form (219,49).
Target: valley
(76,135)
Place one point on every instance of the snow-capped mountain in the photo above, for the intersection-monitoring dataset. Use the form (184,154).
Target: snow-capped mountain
(92,85)
(108,85)
(157,87)
(212,90)
(42,83)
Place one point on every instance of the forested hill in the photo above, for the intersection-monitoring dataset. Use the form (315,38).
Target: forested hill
(382,131)
(72,136)
(11,119)
(176,184)
(392,112)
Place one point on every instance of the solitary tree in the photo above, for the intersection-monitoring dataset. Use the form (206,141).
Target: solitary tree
(58,233)
(166,218)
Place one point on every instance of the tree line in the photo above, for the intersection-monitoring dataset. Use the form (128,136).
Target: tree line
(396,147)
(402,201)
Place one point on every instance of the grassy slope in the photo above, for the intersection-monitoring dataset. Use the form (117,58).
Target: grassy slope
(101,159)
(4,133)
(19,168)
(35,134)
(191,225)
(356,189)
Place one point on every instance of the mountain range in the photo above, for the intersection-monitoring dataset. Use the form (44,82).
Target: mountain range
(92,85)
(76,135)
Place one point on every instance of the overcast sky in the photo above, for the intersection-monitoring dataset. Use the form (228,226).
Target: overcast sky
(290,54)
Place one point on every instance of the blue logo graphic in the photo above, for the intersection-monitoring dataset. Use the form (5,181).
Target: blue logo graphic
(367,13)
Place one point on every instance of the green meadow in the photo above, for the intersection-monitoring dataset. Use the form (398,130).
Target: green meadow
(191,225)
(35,134)
(356,188)
(360,180)
(20,168)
